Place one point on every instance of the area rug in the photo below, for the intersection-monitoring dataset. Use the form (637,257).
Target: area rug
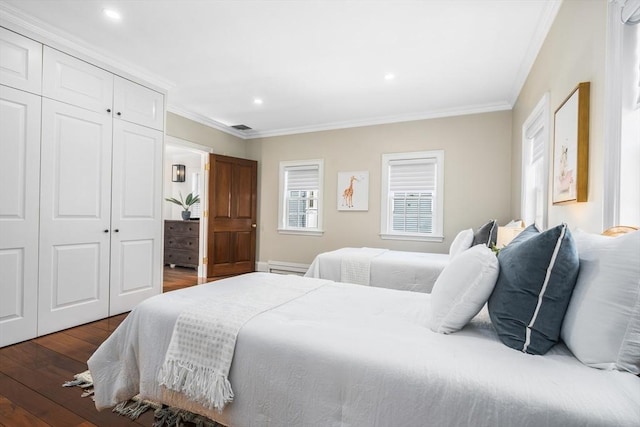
(164,416)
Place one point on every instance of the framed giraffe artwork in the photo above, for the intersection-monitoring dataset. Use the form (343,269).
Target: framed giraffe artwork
(353,191)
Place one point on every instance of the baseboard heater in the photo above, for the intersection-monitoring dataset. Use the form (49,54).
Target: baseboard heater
(282,267)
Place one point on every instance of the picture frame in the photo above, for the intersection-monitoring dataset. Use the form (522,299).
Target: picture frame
(571,147)
(353,191)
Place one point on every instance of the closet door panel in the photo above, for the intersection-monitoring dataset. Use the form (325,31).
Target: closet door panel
(138,104)
(20,62)
(70,80)
(136,247)
(74,216)
(19,193)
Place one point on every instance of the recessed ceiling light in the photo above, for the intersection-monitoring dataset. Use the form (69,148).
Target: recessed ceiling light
(257,101)
(112,14)
(389,76)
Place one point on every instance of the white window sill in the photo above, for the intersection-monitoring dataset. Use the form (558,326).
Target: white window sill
(301,232)
(410,237)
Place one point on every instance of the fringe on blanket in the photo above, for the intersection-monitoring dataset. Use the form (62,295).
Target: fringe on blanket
(164,416)
(201,384)
(173,417)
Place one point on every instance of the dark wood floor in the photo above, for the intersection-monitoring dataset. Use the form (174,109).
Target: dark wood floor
(32,373)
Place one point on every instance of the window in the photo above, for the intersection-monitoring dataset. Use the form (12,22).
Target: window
(412,195)
(621,199)
(535,165)
(300,207)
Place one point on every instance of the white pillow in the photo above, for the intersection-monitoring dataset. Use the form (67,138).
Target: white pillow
(461,243)
(462,289)
(602,323)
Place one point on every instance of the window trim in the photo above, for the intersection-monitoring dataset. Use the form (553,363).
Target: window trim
(282,221)
(538,121)
(438,225)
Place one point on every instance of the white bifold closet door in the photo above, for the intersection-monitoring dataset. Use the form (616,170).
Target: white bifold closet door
(75,211)
(19,193)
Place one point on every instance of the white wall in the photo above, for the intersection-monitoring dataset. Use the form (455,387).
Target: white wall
(573,52)
(173,189)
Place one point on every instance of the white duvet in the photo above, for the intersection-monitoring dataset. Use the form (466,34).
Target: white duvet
(351,355)
(408,271)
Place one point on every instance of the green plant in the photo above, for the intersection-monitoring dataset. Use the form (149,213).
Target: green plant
(186,203)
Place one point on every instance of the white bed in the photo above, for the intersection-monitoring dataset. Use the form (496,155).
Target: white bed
(410,271)
(350,355)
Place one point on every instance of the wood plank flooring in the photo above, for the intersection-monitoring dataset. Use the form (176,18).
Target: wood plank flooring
(32,373)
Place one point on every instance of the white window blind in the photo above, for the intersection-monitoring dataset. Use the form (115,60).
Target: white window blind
(302,178)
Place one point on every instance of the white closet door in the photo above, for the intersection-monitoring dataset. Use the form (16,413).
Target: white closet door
(138,104)
(136,243)
(74,216)
(76,82)
(20,62)
(19,194)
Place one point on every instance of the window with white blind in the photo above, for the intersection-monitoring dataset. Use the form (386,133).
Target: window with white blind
(535,165)
(412,196)
(300,201)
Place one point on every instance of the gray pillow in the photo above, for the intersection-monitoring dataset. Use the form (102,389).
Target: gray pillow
(486,235)
(538,272)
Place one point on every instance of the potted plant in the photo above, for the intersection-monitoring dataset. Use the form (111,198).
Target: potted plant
(185,204)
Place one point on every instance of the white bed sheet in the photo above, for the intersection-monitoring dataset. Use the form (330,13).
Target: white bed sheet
(408,271)
(349,355)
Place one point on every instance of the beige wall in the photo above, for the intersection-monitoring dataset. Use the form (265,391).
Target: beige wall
(221,142)
(573,52)
(477,180)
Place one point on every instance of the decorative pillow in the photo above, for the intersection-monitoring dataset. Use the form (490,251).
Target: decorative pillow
(602,324)
(462,289)
(486,235)
(538,272)
(461,243)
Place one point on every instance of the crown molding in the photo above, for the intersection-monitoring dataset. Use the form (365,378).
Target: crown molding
(461,111)
(199,118)
(546,20)
(49,35)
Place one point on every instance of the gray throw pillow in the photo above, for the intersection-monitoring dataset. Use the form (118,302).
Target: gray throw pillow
(538,272)
(486,235)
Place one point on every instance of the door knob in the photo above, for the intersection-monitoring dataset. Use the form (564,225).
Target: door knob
(253,225)
(106,230)
(116,230)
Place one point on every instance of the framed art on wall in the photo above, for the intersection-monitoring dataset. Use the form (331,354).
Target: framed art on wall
(353,191)
(571,147)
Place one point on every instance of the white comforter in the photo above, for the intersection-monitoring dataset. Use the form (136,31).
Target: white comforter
(350,355)
(408,271)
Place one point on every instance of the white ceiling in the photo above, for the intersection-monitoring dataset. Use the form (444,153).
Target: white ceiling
(315,64)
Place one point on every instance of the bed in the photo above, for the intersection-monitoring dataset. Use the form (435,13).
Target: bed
(342,354)
(402,270)
(409,271)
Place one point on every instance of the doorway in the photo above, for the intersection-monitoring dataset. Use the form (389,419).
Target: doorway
(184,240)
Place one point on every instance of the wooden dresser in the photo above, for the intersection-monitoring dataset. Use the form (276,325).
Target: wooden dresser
(181,243)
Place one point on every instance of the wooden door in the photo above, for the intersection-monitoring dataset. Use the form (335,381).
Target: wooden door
(75,211)
(231,246)
(19,193)
(136,211)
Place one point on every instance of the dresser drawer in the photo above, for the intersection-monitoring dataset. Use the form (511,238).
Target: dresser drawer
(187,228)
(180,257)
(181,242)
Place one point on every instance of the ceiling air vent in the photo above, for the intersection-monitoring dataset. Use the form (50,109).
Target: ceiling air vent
(241,127)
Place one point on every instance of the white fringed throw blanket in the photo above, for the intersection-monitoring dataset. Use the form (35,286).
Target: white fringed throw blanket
(355,267)
(199,356)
